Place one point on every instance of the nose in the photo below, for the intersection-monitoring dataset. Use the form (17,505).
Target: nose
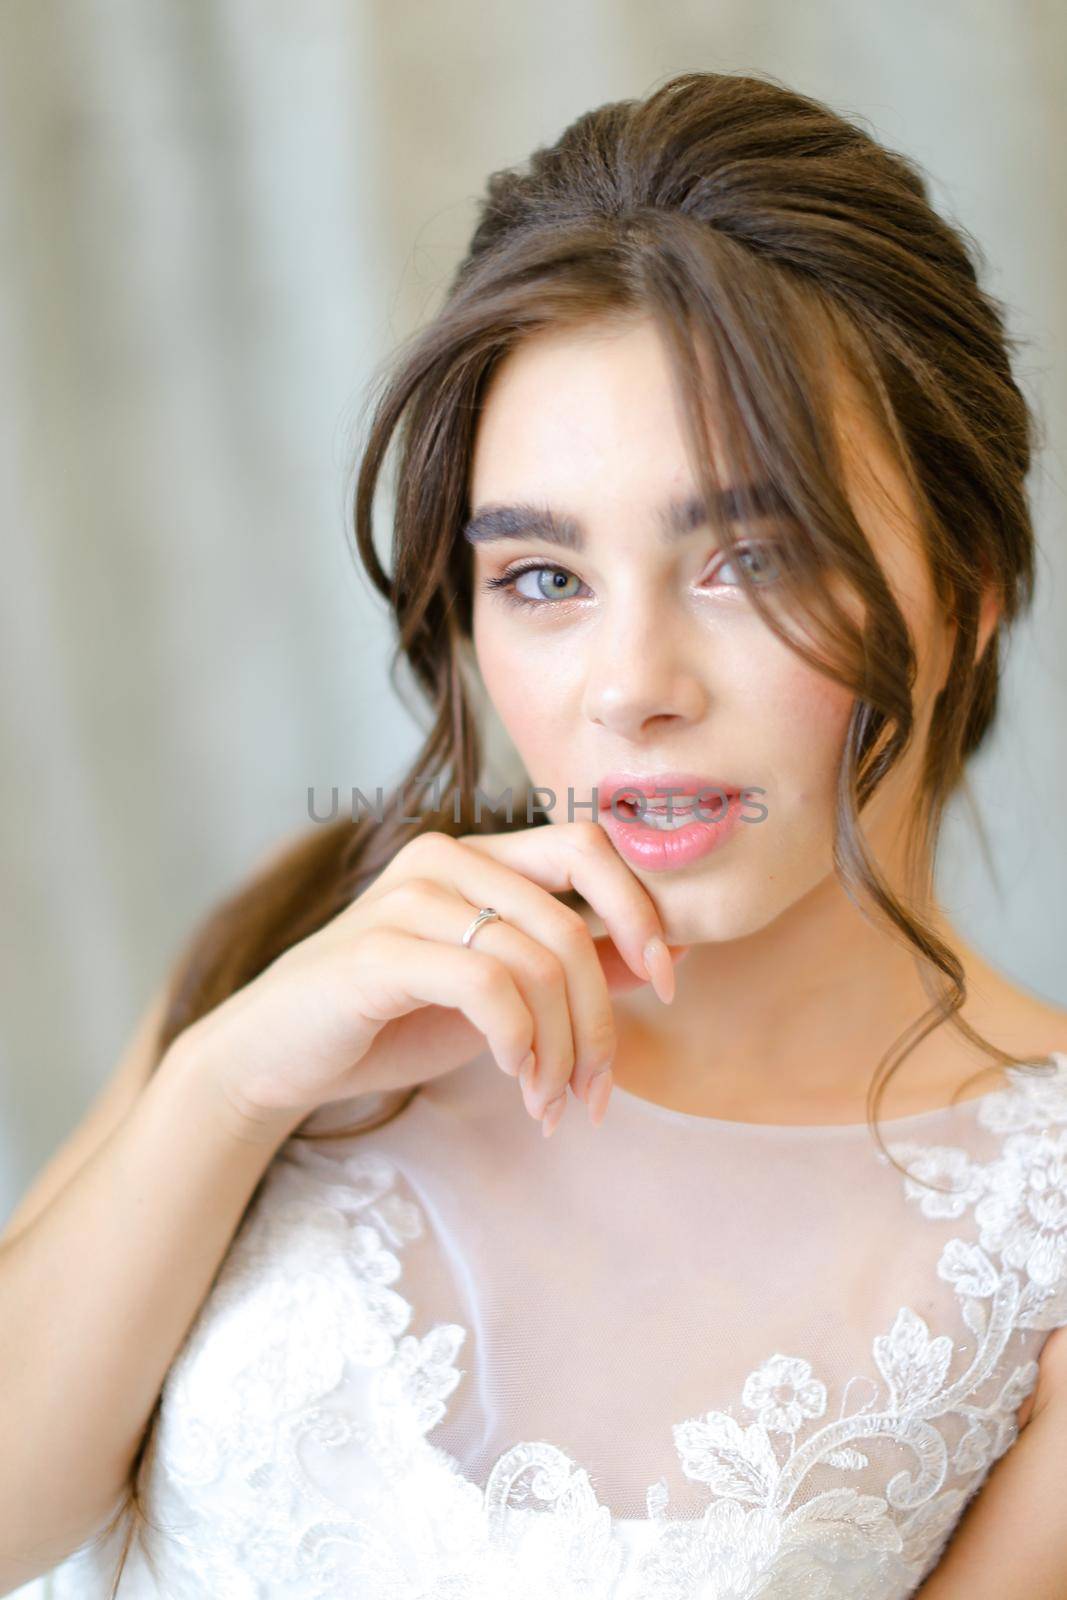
(640,675)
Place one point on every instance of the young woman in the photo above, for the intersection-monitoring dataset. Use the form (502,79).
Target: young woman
(711,475)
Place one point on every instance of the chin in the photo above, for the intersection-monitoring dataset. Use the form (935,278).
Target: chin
(707,917)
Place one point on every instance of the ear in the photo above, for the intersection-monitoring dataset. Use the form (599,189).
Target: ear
(988,616)
(989,610)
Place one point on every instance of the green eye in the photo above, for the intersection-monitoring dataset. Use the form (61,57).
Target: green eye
(553,588)
(547,591)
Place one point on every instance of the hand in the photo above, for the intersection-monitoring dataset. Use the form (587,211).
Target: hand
(386,995)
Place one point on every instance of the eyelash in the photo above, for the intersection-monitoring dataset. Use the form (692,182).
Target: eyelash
(505,584)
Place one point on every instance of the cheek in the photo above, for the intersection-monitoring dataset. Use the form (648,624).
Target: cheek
(806,717)
(496,663)
(525,689)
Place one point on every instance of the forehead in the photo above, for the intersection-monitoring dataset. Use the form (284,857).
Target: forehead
(579,415)
(571,403)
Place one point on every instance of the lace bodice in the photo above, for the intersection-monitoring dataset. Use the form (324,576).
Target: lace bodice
(672,1358)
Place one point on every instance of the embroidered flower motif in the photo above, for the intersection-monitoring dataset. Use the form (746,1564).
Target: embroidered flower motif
(947,1168)
(1019,1199)
(731,1460)
(838,1544)
(783,1392)
(1030,1100)
(1023,1217)
(913,1365)
(304,1346)
(421,1373)
(715,1556)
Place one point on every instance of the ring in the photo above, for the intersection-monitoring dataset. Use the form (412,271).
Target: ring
(486,914)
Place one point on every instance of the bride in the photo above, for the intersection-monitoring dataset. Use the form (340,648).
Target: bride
(636,1187)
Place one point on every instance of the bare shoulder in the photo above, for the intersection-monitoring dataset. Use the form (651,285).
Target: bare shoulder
(1008,1014)
(1029,1026)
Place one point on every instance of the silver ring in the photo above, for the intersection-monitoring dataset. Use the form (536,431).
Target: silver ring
(486,914)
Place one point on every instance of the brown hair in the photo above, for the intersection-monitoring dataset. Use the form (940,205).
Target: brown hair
(762,232)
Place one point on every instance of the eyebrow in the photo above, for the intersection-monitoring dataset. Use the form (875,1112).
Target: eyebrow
(674,520)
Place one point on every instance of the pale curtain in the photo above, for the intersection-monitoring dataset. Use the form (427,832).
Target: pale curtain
(215,219)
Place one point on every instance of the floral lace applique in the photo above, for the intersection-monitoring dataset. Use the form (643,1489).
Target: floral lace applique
(320,1250)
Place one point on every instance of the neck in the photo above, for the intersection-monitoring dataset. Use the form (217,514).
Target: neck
(796,1018)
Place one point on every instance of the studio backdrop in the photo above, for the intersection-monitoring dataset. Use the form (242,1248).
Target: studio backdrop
(216,219)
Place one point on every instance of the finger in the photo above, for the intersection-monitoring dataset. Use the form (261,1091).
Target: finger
(395,972)
(619,978)
(429,909)
(483,880)
(580,856)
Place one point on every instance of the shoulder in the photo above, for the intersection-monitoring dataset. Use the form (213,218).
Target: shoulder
(1011,1013)
(1008,1016)
(320,1249)
(1007,1012)
(1033,1028)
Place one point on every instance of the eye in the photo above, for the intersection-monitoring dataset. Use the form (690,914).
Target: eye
(542,592)
(766,569)
(549,584)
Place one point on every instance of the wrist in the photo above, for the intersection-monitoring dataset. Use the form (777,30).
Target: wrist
(224,1101)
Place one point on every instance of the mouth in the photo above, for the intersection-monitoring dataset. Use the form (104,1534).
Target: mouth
(665,799)
(666,821)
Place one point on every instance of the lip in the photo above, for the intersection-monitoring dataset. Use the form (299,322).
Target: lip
(662,783)
(653,849)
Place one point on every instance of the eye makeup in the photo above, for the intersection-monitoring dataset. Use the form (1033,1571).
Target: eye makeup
(504,584)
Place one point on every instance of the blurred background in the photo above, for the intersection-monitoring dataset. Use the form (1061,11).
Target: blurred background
(216,220)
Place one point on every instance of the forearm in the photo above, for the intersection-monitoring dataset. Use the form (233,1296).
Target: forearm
(97,1295)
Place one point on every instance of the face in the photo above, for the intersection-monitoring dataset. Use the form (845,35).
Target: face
(640,654)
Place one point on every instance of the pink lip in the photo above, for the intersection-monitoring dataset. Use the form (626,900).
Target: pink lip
(662,783)
(653,849)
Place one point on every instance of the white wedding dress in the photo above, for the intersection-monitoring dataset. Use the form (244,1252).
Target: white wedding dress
(670,1358)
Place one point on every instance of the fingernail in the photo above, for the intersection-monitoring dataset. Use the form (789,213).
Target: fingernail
(553,1112)
(597,1095)
(660,969)
(526,1068)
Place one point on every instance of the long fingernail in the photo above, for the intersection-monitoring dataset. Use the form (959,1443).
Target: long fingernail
(598,1093)
(660,969)
(553,1112)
